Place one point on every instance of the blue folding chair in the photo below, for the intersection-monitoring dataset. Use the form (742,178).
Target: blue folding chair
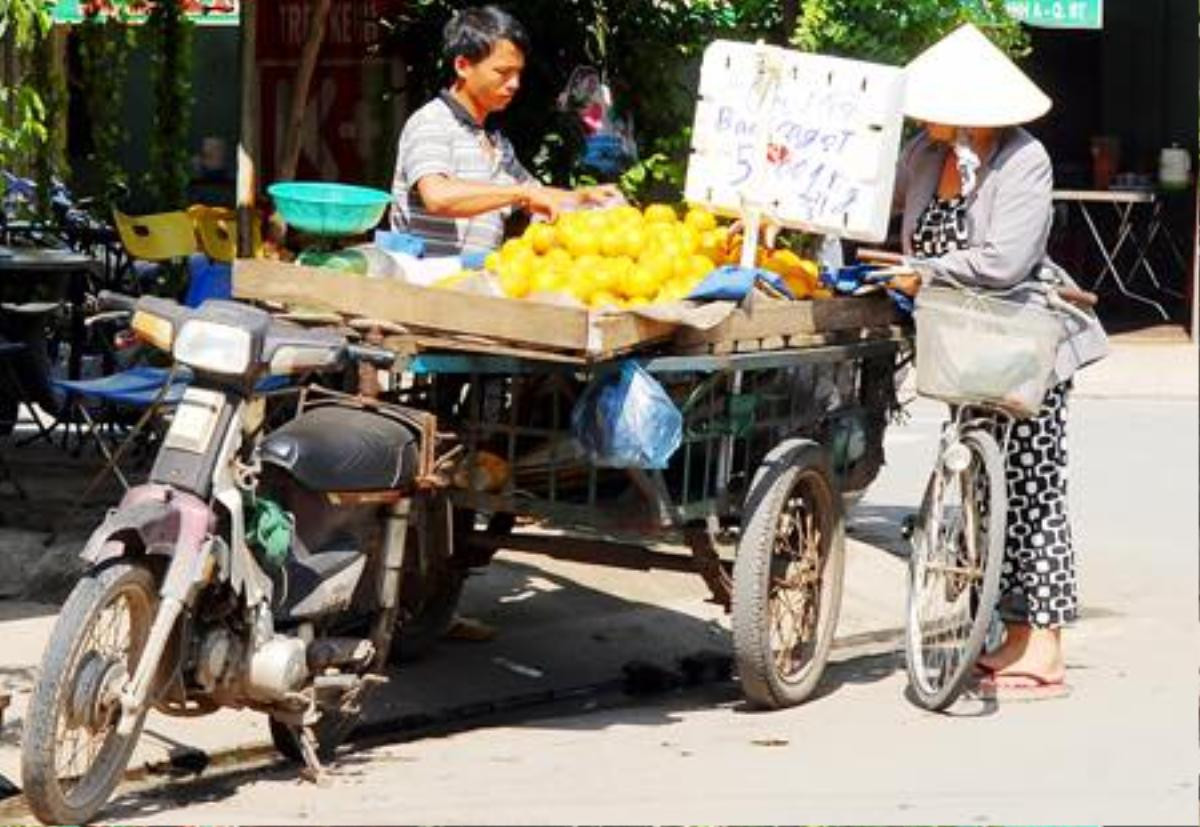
(144,388)
(150,389)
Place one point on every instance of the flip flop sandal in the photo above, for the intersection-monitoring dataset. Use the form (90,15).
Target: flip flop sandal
(982,670)
(1035,688)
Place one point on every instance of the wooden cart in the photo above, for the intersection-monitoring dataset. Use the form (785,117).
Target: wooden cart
(784,411)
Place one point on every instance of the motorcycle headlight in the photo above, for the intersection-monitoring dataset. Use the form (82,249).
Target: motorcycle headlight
(212,347)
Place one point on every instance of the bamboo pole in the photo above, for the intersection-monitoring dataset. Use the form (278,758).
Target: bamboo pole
(247,153)
(293,137)
(1194,289)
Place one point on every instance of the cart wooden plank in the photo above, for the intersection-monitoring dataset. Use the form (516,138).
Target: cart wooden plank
(444,319)
(409,345)
(767,323)
(621,333)
(794,341)
(440,311)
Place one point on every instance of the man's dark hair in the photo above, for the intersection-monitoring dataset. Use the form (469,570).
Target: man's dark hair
(474,32)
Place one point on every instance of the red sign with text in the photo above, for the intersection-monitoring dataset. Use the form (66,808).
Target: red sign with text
(346,127)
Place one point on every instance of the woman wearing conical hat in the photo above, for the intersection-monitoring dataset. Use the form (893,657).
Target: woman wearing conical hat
(975,191)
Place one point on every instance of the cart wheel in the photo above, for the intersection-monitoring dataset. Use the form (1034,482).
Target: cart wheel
(787,578)
(430,589)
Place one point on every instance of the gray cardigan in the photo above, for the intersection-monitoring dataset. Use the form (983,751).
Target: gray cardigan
(1008,222)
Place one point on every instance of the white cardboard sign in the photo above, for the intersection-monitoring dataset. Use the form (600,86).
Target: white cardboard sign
(809,140)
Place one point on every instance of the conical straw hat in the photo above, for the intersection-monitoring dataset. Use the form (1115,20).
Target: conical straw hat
(965,80)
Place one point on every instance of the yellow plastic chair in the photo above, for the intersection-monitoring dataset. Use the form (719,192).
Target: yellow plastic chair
(157,237)
(217,229)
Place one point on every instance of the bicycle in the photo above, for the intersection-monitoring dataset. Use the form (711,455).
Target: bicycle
(990,360)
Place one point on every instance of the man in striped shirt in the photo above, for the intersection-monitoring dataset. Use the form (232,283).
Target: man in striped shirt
(457,181)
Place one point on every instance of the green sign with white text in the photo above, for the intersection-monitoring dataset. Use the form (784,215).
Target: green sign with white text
(1058,14)
(202,12)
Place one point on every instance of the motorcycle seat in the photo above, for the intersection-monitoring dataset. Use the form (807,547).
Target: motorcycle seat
(343,449)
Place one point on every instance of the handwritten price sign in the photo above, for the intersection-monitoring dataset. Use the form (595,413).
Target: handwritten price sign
(809,140)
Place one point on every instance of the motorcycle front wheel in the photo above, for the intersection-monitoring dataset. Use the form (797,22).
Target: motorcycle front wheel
(72,756)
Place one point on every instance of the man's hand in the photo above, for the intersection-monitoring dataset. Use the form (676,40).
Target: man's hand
(548,201)
(606,194)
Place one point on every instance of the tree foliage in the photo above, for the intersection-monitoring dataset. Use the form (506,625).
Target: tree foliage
(22,109)
(169,35)
(648,50)
(894,33)
(105,42)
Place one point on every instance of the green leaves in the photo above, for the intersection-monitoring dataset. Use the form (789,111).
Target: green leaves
(27,19)
(169,34)
(104,46)
(648,48)
(27,22)
(895,33)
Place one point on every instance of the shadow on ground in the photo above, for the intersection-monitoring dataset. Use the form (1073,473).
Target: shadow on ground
(879,526)
(41,534)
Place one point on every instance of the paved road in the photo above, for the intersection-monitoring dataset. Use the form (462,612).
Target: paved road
(1122,749)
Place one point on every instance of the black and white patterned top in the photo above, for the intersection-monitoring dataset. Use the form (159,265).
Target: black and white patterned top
(941,227)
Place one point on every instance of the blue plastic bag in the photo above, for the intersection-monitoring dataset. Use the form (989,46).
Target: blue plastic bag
(625,419)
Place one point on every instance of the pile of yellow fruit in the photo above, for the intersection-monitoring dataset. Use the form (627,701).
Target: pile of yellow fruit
(626,257)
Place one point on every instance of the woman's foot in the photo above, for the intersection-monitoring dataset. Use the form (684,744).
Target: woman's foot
(1027,657)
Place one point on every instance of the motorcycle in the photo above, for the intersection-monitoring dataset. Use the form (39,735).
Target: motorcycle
(274,571)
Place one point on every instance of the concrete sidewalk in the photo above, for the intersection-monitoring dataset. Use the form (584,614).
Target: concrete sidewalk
(1143,370)
(570,624)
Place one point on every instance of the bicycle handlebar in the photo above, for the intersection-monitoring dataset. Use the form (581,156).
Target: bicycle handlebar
(110,300)
(1080,298)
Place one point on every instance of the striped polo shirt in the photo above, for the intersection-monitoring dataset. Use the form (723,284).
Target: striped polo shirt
(440,138)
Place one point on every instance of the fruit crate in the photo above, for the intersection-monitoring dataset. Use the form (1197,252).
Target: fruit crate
(428,318)
(417,319)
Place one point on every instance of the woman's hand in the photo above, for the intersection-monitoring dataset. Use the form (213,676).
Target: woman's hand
(768,232)
(879,256)
(908,283)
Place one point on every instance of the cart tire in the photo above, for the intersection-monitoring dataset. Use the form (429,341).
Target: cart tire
(430,593)
(430,621)
(792,528)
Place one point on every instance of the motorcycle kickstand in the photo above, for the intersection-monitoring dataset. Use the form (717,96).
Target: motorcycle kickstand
(314,770)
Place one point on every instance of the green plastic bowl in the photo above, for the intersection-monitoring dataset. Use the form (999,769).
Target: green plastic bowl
(322,208)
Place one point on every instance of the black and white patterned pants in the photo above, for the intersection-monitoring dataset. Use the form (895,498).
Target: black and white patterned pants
(1037,580)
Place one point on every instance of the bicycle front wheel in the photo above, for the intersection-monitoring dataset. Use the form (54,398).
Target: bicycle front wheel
(954,570)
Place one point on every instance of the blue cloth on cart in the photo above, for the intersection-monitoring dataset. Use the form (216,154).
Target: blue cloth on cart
(396,242)
(473,261)
(853,278)
(414,245)
(731,283)
(625,419)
